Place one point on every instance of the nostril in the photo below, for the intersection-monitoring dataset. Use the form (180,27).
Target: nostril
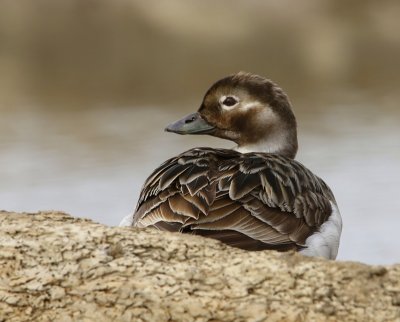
(190,120)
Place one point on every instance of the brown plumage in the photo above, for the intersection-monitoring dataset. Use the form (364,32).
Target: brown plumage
(255,197)
(253,201)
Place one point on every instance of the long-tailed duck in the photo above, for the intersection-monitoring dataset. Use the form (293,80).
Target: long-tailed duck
(254,197)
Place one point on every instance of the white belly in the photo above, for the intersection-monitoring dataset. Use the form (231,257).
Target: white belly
(325,242)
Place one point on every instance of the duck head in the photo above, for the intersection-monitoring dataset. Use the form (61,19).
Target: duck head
(247,109)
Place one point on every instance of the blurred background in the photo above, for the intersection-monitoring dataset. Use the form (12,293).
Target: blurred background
(87,87)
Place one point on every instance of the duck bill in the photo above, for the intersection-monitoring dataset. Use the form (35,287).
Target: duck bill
(190,124)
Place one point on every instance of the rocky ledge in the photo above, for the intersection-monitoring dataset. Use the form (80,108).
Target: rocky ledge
(54,267)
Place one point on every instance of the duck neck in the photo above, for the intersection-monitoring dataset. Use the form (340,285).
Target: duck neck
(283,143)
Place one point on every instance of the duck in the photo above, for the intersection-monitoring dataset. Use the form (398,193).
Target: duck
(255,196)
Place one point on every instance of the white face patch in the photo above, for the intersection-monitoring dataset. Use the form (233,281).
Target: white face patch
(250,105)
(228,102)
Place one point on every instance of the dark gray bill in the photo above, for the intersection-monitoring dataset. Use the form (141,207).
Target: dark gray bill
(190,124)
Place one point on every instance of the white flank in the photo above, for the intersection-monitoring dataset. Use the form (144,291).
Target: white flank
(127,221)
(325,242)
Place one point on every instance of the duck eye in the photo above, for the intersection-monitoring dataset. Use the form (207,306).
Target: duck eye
(229,101)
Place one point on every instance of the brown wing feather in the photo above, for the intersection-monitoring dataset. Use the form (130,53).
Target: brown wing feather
(252,201)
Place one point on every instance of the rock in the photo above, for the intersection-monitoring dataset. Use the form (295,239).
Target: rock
(54,267)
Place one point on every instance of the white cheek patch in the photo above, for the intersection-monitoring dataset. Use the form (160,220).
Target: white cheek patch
(250,105)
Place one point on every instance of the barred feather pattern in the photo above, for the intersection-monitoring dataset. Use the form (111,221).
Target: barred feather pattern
(253,201)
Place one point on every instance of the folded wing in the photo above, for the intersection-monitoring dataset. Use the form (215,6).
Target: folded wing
(252,201)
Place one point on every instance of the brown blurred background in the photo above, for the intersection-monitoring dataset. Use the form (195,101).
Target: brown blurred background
(86,87)
(91,52)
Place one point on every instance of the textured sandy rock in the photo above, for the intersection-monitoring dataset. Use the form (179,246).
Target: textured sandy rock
(54,267)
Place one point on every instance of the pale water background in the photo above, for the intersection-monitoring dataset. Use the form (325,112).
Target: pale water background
(92,163)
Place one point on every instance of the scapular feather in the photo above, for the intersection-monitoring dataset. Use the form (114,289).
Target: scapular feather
(170,175)
(242,184)
(261,201)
